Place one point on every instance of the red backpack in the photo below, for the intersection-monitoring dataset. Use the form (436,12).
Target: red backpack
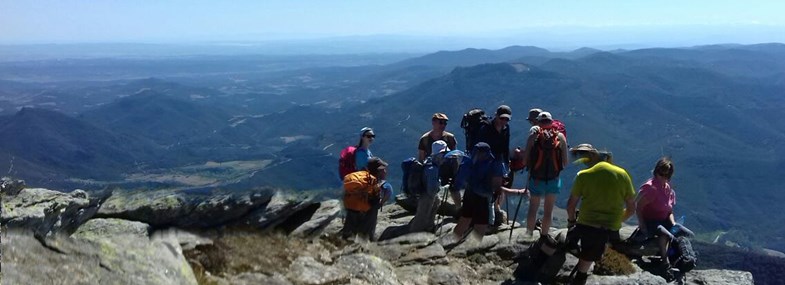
(559,126)
(545,161)
(346,162)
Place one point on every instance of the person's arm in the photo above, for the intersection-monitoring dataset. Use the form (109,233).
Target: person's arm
(642,202)
(564,151)
(630,209)
(506,149)
(572,205)
(421,148)
(527,151)
(452,144)
(498,185)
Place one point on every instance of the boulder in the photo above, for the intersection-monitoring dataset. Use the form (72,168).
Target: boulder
(186,209)
(641,278)
(99,228)
(47,212)
(368,269)
(305,270)
(30,260)
(471,246)
(324,215)
(446,208)
(11,187)
(258,278)
(279,209)
(719,277)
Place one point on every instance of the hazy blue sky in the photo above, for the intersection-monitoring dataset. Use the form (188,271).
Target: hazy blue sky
(68,21)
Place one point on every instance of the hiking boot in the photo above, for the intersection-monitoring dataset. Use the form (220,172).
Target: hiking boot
(529,237)
(665,270)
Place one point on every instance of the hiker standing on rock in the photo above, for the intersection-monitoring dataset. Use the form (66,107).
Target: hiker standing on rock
(607,199)
(437,132)
(545,157)
(365,192)
(655,206)
(497,135)
(428,202)
(363,151)
(481,177)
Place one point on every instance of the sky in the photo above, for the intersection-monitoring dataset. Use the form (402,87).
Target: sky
(181,21)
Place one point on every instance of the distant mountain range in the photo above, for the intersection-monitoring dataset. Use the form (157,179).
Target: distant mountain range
(714,109)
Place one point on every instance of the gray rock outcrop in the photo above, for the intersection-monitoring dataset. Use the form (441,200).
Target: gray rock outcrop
(185,209)
(63,260)
(48,212)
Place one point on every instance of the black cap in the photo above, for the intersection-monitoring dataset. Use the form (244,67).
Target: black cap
(533,113)
(504,111)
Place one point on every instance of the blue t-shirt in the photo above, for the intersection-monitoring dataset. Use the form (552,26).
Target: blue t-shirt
(477,177)
(361,157)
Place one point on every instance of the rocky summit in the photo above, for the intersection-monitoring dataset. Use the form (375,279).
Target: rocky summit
(261,236)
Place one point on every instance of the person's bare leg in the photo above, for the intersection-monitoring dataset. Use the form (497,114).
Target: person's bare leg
(456,198)
(479,231)
(547,217)
(531,216)
(663,243)
(460,229)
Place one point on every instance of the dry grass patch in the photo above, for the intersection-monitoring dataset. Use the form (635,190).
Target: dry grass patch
(614,263)
(241,251)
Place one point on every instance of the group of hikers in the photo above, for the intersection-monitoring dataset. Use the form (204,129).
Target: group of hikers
(485,172)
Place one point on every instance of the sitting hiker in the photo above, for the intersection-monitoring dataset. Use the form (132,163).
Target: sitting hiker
(481,176)
(607,199)
(365,192)
(428,202)
(655,206)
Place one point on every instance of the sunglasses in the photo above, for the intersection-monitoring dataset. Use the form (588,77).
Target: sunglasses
(370,136)
(443,122)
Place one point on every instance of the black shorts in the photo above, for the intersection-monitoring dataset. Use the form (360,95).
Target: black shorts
(592,241)
(476,207)
(651,226)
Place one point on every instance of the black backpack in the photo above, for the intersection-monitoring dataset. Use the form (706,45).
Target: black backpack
(413,177)
(685,257)
(471,124)
(545,160)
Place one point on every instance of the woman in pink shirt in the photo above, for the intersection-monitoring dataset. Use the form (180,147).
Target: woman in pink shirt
(655,205)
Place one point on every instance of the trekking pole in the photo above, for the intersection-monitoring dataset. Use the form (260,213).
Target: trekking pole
(440,216)
(515,217)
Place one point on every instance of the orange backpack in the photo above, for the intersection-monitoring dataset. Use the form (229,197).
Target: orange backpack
(359,188)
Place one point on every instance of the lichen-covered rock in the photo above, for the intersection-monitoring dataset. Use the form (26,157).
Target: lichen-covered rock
(48,212)
(720,277)
(446,207)
(11,187)
(305,270)
(280,208)
(186,209)
(327,212)
(100,228)
(368,268)
(28,260)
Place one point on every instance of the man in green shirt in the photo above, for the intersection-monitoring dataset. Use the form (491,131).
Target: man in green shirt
(607,199)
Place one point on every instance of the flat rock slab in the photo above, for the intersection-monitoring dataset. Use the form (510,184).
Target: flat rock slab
(26,260)
(99,228)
